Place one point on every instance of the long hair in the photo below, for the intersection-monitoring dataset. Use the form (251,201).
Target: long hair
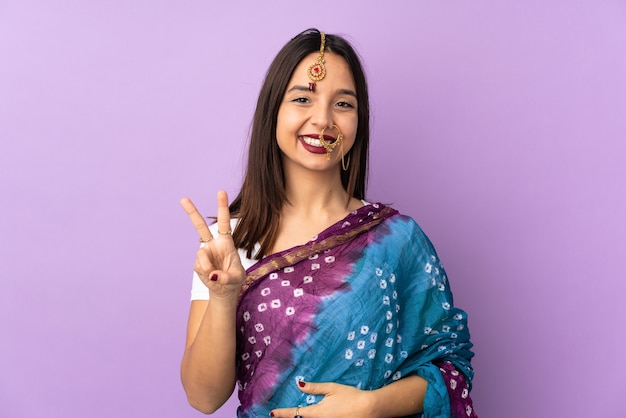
(262,193)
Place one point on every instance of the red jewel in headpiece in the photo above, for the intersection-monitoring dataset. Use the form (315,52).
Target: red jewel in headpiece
(317,71)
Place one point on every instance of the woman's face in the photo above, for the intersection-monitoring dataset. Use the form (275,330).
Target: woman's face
(303,115)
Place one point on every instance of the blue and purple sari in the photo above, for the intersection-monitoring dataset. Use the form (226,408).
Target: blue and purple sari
(364,303)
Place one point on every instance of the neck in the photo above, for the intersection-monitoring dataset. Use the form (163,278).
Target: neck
(315,200)
(315,193)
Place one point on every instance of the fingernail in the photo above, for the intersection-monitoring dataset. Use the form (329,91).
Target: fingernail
(213,277)
(271,414)
(301,384)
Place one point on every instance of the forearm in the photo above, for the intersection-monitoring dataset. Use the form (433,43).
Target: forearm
(400,398)
(208,364)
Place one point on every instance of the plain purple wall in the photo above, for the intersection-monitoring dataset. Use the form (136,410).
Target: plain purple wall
(499,126)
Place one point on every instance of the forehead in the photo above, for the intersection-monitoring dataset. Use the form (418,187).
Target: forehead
(337,71)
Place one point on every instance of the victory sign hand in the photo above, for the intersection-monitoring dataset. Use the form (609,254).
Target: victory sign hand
(217,261)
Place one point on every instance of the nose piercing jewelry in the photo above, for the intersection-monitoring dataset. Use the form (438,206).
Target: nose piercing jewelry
(331,145)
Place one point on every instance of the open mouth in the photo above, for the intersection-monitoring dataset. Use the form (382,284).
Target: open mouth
(314,141)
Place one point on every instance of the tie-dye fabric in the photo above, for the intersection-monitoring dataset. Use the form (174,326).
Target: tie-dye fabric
(364,303)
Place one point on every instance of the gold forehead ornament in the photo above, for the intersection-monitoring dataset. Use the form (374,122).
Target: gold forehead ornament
(317,71)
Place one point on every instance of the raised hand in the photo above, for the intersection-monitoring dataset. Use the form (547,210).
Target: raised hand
(217,261)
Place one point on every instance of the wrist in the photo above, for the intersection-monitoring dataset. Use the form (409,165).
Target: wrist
(225,294)
(399,398)
(374,401)
(225,303)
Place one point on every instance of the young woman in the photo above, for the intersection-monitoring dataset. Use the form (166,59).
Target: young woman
(314,301)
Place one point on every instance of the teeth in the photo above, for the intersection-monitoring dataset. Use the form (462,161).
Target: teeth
(312,141)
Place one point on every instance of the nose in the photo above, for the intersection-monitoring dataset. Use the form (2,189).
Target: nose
(321,116)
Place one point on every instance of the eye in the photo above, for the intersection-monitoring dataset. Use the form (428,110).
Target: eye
(300,100)
(345,105)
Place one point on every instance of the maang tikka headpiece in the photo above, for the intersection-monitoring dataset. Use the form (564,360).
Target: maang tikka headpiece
(317,71)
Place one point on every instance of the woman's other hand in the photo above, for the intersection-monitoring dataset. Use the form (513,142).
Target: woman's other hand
(339,401)
(403,397)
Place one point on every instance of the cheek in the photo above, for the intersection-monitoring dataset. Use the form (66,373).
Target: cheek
(286,123)
(349,144)
(350,134)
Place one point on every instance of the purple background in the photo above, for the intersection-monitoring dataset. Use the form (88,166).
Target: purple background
(500,126)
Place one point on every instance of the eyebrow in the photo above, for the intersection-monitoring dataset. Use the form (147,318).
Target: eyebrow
(347,92)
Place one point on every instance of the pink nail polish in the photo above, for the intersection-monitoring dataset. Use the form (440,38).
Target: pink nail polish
(213,277)
(301,384)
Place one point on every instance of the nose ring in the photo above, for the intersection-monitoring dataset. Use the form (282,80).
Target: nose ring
(331,145)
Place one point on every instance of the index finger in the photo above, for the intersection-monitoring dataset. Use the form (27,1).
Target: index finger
(223,213)
(198,221)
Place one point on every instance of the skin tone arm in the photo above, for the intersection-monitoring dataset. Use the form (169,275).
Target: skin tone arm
(400,398)
(208,364)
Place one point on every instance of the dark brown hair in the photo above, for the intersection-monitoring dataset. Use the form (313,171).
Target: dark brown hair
(262,194)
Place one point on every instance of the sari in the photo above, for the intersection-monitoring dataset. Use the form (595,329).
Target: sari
(364,303)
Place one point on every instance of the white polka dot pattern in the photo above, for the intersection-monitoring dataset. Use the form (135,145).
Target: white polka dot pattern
(366,312)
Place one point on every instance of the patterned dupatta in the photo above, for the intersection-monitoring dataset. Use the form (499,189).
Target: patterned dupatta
(364,303)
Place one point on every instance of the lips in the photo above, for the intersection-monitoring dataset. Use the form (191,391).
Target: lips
(312,143)
(314,140)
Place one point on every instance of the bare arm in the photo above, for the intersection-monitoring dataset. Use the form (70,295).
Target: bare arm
(400,398)
(208,364)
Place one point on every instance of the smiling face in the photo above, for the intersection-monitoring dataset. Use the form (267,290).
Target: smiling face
(304,114)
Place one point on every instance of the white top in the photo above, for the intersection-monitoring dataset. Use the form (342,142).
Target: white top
(199,291)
